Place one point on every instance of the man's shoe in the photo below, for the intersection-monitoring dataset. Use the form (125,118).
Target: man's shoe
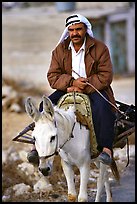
(33,157)
(105,158)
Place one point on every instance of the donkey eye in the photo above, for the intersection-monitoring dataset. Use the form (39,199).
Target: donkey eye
(52,138)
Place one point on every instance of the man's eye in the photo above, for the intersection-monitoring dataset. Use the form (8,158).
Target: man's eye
(78,29)
(70,30)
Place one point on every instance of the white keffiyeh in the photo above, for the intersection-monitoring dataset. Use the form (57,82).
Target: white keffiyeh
(73,19)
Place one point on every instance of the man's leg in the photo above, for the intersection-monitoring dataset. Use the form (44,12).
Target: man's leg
(103,120)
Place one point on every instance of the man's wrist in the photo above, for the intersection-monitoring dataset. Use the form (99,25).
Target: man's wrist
(71,82)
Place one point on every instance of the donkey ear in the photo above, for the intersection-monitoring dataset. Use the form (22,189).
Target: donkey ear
(31,109)
(48,106)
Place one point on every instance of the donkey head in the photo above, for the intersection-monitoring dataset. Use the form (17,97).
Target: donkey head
(44,133)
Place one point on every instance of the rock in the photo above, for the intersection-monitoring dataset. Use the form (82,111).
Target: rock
(21,189)
(43,185)
(4,156)
(26,168)
(14,156)
(23,155)
(15,108)
(11,99)
(6,90)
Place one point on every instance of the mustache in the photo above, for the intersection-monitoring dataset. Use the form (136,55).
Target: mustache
(76,36)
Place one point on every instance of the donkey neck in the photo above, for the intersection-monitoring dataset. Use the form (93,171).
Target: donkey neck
(65,121)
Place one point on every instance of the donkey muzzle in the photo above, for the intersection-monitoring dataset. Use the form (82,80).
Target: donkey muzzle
(45,171)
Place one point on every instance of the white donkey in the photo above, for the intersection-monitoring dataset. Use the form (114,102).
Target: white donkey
(56,130)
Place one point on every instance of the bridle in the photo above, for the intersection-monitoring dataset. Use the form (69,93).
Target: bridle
(57,149)
(54,153)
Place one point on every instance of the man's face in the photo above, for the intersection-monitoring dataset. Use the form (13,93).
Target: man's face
(77,33)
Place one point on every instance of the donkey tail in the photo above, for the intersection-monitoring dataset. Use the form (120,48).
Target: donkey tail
(114,170)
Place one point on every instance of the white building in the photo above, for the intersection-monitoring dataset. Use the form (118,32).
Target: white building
(116,27)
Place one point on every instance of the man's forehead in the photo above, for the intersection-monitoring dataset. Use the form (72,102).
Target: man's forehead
(76,25)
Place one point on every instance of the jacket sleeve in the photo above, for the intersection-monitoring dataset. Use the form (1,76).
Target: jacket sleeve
(57,76)
(101,75)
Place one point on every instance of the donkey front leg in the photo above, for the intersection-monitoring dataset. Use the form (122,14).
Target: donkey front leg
(84,177)
(69,174)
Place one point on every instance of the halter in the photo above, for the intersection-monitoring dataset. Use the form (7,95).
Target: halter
(71,136)
(57,149)
(54,153)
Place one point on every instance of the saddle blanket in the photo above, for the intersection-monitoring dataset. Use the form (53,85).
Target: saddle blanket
(83,114)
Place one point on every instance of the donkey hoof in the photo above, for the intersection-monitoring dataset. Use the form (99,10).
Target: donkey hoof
(71,198)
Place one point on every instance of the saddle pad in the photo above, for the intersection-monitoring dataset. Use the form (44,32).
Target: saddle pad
(82,102)
(83,113)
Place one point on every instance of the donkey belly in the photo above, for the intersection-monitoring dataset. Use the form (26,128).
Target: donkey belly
(77,150)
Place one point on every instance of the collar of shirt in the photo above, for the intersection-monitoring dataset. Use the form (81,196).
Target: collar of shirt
(78,64)
(72,47)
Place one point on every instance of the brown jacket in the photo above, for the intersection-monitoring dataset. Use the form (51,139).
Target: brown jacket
(97,62)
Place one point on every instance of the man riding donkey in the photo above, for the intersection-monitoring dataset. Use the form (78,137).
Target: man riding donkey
(77,61)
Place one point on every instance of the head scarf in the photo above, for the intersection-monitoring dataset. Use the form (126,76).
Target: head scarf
(73,19)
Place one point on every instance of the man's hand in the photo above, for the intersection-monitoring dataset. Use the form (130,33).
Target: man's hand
(74,88)
(80,83)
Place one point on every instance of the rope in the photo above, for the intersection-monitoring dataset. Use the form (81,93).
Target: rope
(74,94)
(102,95)
(127,152)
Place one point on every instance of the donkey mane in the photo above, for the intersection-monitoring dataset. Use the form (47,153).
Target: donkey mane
(70,113)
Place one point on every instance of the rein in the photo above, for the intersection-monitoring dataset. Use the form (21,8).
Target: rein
(102,95)
(71,136)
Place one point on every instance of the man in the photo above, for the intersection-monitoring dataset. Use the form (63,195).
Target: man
(77,59)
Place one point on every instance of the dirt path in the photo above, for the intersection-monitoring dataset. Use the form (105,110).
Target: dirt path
(125,192)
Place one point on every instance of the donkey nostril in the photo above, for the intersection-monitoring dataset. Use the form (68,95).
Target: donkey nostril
(44,171)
